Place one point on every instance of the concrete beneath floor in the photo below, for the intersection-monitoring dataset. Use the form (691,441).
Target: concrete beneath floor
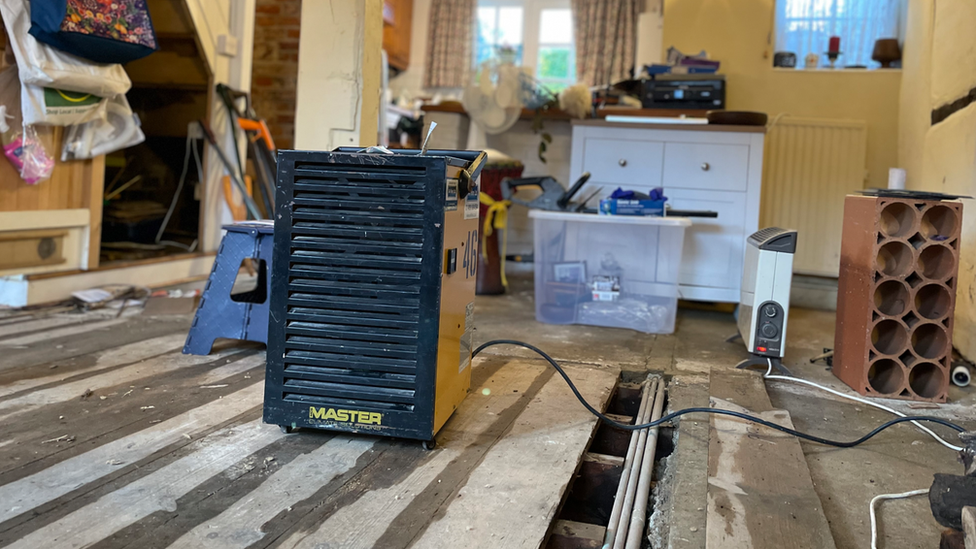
(898,460)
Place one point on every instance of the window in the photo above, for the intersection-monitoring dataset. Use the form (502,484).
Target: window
(499,33)
(532,33)
(805,26)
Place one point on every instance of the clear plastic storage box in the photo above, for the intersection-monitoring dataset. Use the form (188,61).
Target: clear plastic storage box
(603,270)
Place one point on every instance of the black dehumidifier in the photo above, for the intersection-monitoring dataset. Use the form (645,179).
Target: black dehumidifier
(372,290)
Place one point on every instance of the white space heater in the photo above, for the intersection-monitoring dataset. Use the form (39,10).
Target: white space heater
(764,301)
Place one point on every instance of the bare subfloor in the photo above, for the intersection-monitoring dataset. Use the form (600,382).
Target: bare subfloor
(899,460)
(109,434)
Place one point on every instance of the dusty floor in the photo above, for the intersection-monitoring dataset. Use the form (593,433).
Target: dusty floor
(110,437)
(899,460)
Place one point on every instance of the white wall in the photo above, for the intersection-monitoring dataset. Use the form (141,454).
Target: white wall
(337,102)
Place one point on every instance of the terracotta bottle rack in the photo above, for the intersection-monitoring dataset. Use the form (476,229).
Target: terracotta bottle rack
(896,296)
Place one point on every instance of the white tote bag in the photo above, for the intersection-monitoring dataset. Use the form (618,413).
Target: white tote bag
(118,130)
(53,107)
(43,66)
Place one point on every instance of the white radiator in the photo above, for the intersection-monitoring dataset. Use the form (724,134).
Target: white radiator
(810,165)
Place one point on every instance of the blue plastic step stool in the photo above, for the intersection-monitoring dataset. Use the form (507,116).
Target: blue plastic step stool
(242,316)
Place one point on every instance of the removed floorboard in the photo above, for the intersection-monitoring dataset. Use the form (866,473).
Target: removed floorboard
(760,495)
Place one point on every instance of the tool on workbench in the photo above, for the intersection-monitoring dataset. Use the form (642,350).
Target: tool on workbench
(372,291)
(554,197)
(673,212)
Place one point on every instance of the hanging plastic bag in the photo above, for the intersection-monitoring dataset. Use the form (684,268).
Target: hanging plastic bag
(24,150)
(37,164)
(53,107)
(19,142)
(119,130)
(44,66)
(104,32)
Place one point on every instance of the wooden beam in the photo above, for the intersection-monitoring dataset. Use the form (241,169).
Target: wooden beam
(93,187)
(760,494)
(43,219)
(568,534)
(371,79)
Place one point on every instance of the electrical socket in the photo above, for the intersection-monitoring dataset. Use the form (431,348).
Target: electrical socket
(194,131)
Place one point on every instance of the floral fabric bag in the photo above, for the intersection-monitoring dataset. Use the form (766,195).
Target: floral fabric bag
(104,31)
(39,64)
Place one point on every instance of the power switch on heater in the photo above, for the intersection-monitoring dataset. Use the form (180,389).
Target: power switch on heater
(451,263)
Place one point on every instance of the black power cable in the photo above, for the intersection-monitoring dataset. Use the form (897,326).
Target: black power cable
(672,415)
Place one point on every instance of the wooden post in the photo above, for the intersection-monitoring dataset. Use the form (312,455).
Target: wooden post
(93,186)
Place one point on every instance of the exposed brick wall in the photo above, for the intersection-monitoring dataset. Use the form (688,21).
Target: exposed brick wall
(275,74)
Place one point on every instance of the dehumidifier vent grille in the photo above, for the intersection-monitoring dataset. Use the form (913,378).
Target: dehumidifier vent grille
(357,249)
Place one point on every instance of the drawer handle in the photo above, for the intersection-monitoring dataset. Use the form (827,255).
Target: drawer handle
(705,166)
(622,162)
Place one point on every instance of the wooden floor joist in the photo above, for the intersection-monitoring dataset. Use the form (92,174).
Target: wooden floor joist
(760,495)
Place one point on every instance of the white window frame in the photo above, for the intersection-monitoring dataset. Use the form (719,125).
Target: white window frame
(531,19)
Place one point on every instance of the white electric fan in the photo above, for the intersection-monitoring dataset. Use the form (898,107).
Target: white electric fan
(493,99)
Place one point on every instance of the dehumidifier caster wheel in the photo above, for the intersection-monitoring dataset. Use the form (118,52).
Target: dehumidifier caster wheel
(287,429)
(429,444)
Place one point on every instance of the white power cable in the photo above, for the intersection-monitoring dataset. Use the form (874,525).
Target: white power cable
(882,497)
(925,429)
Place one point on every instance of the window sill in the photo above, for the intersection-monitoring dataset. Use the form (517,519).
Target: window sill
(838,70)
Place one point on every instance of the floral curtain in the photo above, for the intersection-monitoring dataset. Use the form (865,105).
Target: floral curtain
(449,45)
(606,39)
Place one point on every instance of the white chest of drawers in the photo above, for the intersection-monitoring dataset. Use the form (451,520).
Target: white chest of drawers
(717,168)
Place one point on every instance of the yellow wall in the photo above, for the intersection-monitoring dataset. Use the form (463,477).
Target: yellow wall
(739,33)
(939,67)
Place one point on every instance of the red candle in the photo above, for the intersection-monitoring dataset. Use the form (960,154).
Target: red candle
(834,44)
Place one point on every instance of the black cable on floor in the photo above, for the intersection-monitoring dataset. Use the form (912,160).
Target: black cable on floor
(672,415)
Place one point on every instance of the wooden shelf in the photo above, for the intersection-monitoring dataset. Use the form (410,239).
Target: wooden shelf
(559,114)
(681,127)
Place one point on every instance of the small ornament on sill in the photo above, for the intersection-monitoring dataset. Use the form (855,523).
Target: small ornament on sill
(833,50)
(834,45)
(811,61)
